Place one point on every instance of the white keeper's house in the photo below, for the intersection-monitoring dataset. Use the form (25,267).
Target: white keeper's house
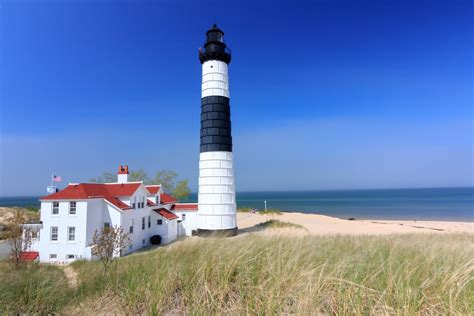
(70,217)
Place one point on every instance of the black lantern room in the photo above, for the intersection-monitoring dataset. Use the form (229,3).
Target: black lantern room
(215,47)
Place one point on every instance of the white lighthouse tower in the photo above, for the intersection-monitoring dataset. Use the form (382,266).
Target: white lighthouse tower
(217,212)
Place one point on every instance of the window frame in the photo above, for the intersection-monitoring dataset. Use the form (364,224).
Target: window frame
(143,223)
(53,208)
(69,234)
(51,234)
(71,207)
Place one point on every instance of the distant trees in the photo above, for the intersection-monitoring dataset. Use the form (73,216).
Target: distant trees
(139,175)
(106,177)
(108,243)
(167,178)
(181,190)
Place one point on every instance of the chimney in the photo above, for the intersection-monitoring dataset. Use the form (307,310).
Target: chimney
(122,175)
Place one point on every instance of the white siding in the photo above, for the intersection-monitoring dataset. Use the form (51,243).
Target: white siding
(63,247)
(215,80)
(216,197)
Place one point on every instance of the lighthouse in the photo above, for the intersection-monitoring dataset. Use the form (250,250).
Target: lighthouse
(217,211)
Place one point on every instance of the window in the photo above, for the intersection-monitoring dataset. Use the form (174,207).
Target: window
(143,202)
(53,256)
(183,216)
(157,199)
(55,208)
(70,256)
(71,233)
(130,247)
(54,233)
(72,208)
(143,241)
(159,222)
(34,234)
(149,221)
(106,225)
(131,226)
(134,201)
(143,222)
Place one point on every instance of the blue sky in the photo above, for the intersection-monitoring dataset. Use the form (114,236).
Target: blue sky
(324,94)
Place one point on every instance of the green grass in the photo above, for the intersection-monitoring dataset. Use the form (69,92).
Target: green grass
(273,223)
(257,274)
(32,289)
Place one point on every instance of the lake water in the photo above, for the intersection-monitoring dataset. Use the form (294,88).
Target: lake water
(416,204)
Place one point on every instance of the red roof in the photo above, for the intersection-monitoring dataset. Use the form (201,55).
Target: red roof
(109,192)
(153,189)
(165,213)
(123,189)
(183,207)
(29,255)
(167,199)
(150,202)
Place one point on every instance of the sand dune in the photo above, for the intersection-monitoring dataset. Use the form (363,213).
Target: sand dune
(326,225)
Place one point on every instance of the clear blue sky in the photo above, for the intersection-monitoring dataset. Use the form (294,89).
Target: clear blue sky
(324,94)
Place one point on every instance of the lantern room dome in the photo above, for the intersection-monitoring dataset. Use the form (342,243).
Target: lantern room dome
(214,48)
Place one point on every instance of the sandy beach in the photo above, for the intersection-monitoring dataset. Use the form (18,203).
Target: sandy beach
(325,225)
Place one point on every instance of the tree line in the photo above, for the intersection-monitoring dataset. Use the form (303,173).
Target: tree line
(168,179)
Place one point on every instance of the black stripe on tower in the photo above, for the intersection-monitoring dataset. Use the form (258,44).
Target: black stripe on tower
(215,124)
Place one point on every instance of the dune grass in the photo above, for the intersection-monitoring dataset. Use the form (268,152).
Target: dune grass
(32,289)
(271,275)
(274,223)
(255,274)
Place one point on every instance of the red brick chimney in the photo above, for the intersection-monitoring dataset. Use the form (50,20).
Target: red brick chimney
(122,175)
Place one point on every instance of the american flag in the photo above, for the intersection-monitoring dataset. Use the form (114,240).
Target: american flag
(57,178)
